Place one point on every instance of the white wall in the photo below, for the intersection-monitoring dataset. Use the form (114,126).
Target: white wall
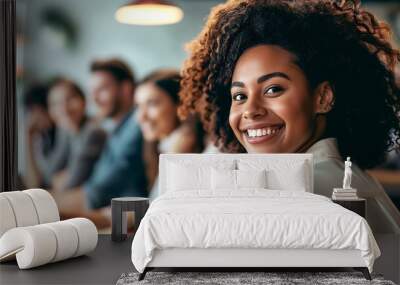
(100,35)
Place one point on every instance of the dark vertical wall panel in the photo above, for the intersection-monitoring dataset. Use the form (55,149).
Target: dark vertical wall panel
(8,116)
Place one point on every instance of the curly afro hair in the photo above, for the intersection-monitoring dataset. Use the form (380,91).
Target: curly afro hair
(334,41)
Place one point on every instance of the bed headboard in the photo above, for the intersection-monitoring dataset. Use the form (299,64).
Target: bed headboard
(269,161)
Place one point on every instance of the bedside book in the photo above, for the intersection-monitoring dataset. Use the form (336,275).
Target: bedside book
(340,190)
(344,194)
(344,197)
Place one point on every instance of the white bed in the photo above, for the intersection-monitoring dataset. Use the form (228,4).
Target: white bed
(201,220)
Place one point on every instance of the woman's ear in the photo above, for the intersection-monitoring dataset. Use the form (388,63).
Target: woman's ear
(324,98)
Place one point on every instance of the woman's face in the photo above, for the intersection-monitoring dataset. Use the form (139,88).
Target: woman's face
(157,113)
(66,107)
(272,108)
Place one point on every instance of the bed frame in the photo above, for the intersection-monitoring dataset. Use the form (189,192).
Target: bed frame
(260,259)
(248,259)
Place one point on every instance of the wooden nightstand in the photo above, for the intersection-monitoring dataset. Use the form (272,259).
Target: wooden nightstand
(358,206)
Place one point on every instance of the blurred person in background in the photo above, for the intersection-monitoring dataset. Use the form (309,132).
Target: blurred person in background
(48,145)
(67,105)
(120,168)
(157,102)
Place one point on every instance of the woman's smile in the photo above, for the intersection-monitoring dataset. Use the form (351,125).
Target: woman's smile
(262,134)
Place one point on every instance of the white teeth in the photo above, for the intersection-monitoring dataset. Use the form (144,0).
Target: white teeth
(261,132)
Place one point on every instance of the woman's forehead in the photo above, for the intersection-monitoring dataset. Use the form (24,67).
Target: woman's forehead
(263,59)
(149,91)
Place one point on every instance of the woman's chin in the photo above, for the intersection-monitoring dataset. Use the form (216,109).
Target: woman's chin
(150,138)
(262,149)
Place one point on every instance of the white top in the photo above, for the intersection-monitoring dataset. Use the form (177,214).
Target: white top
(167,144)
(382,214)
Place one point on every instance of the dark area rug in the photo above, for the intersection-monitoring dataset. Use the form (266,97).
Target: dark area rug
(232,278)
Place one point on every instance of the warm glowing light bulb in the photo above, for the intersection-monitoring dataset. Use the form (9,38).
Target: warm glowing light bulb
(149,14)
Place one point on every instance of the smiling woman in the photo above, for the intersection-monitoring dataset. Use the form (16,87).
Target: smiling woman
(157,101)
(272,76)
(272,110)
(331,48)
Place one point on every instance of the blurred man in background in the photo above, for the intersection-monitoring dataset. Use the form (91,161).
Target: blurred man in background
(120,168)
(67,105)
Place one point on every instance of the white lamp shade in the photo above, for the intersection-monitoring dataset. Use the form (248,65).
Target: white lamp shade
(149,13)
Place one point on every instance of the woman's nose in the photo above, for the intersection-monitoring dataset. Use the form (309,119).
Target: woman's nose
(254,110)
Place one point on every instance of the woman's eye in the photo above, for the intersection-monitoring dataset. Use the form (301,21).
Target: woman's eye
(273,91)
(238,97)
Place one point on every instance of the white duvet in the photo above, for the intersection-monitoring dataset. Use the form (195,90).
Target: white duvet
(250,219)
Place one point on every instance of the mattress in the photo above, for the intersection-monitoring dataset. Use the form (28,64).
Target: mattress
(250,219)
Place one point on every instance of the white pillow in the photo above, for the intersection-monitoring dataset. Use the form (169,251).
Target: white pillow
(181,178)
(251,178)
(184,175)
(225,179)
(294,179)
(281,174)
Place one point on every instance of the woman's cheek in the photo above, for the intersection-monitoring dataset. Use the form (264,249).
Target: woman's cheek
(153,113)
(299,129)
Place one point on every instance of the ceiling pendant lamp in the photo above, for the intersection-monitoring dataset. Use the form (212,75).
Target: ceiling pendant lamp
(149,13)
